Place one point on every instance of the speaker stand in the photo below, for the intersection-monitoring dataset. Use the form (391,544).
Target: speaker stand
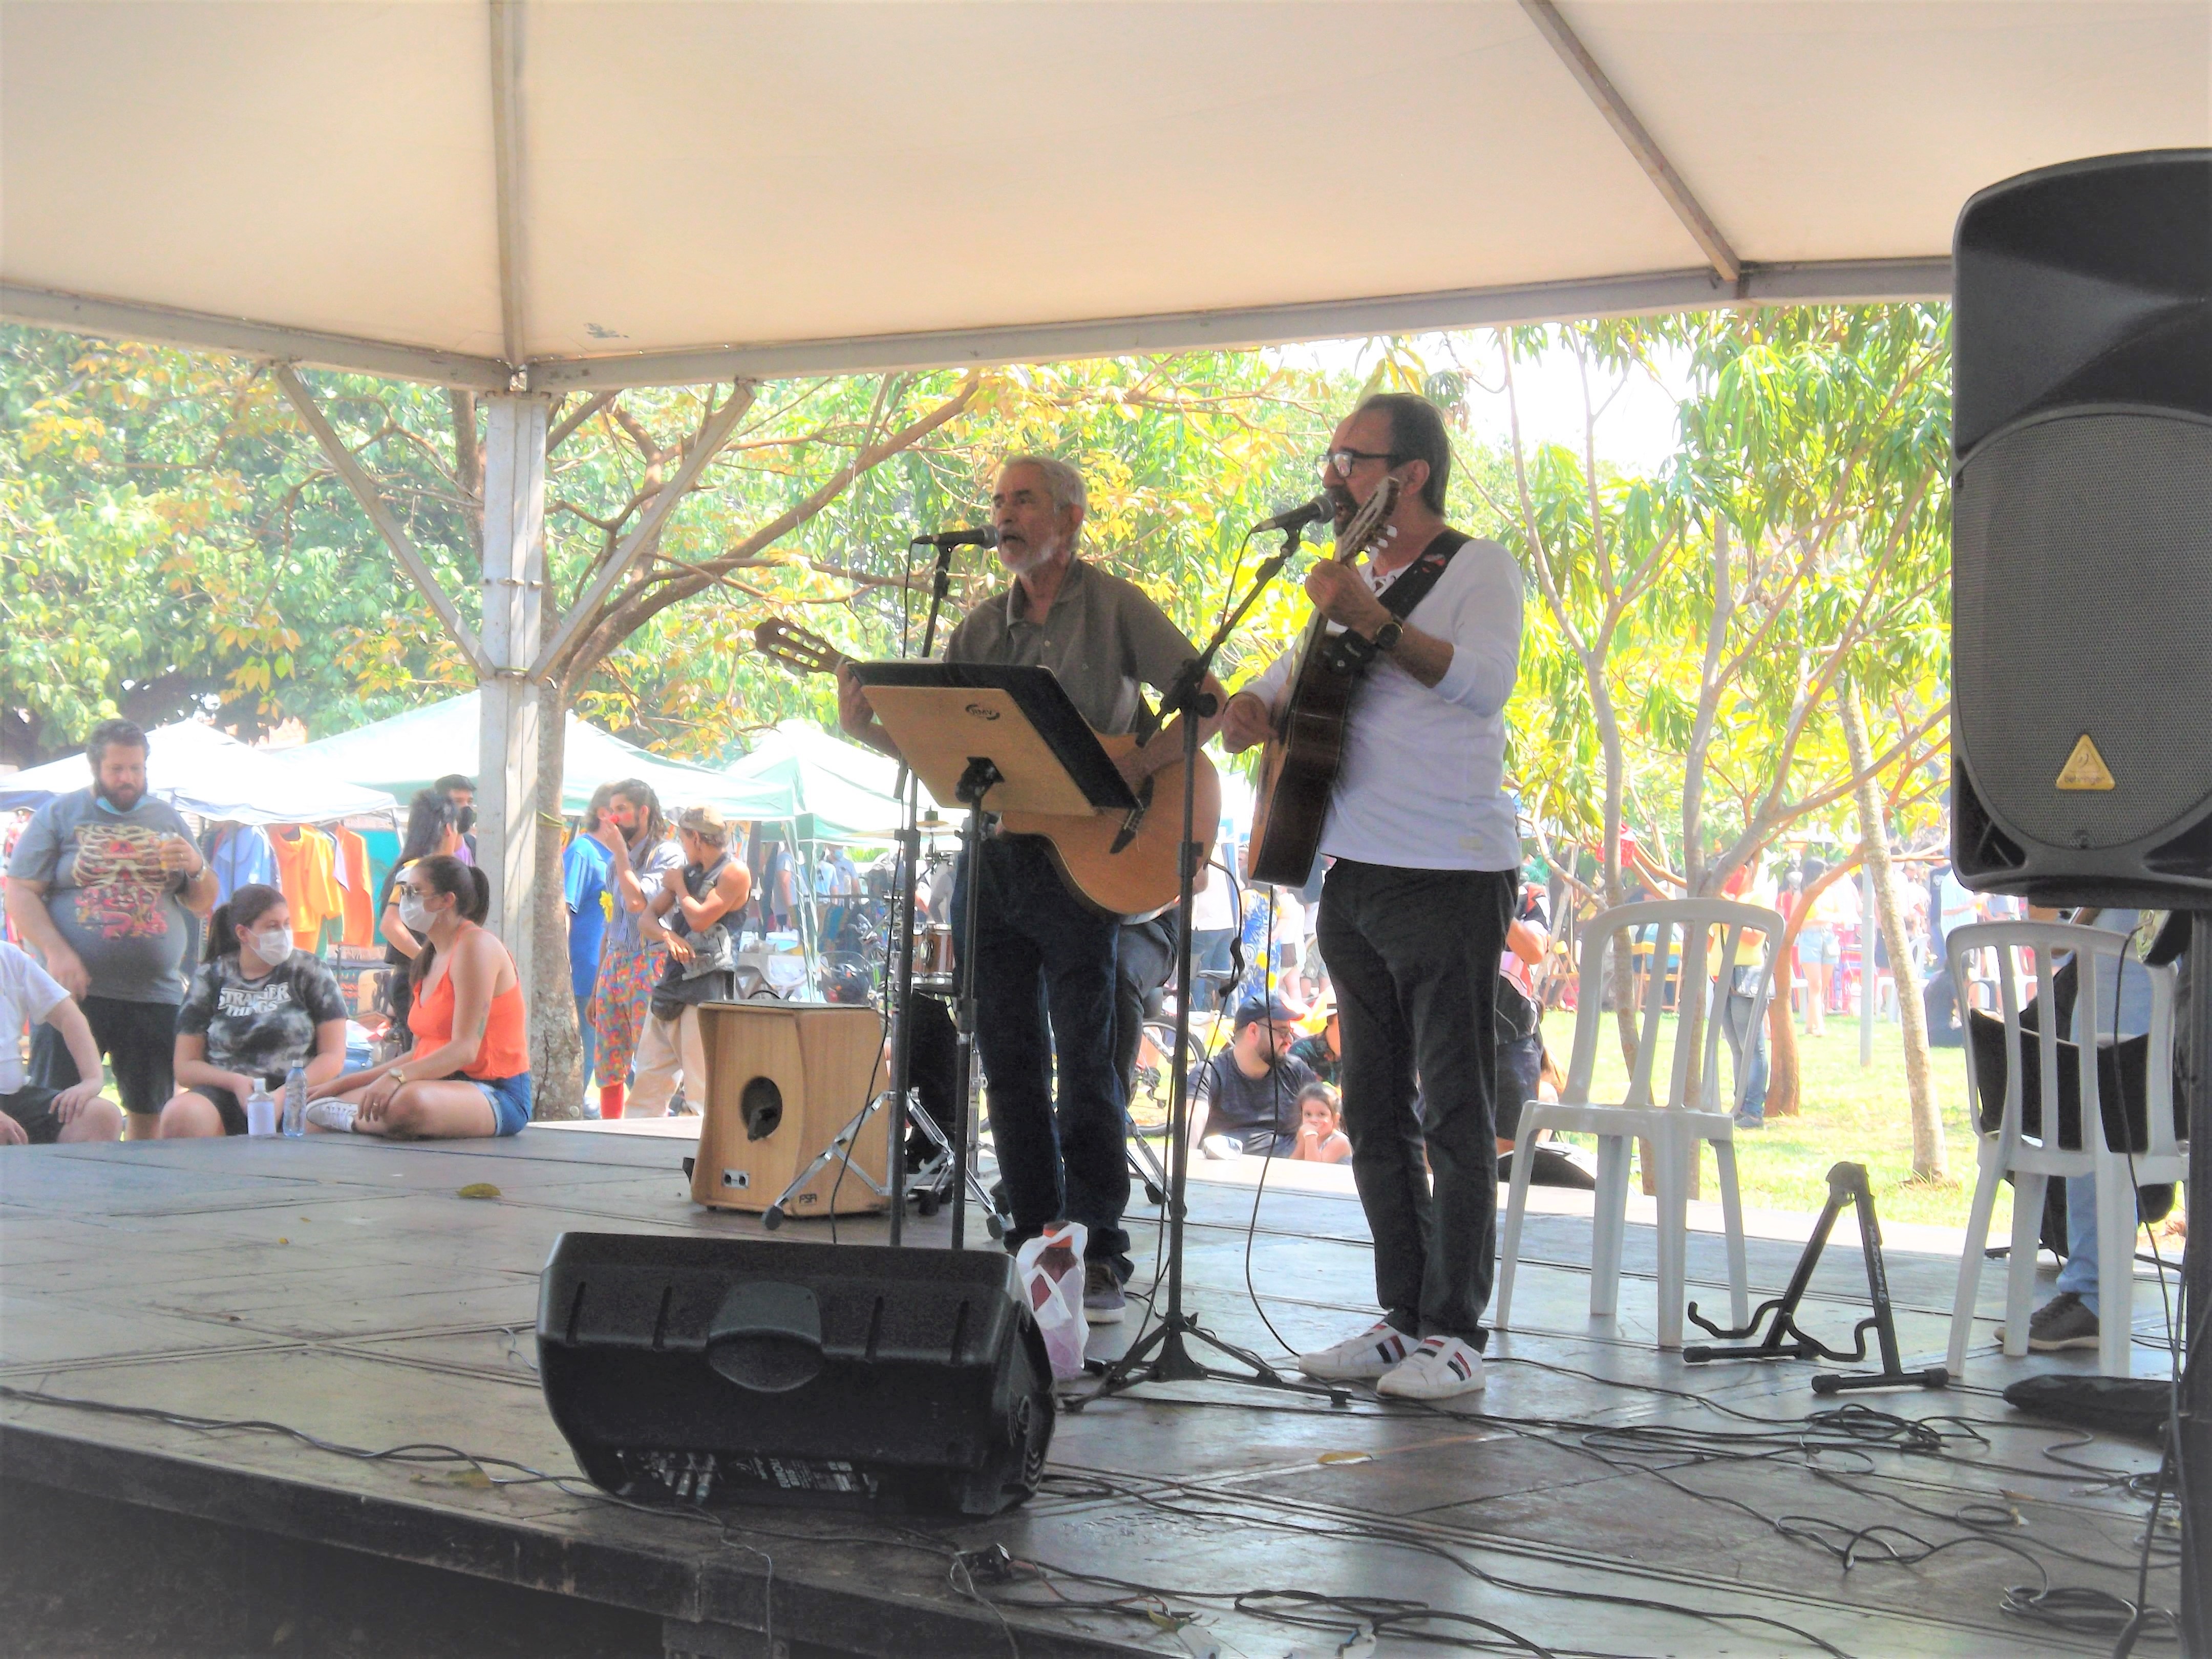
(2192,1427)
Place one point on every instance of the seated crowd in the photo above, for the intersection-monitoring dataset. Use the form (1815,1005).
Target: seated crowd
(103,884)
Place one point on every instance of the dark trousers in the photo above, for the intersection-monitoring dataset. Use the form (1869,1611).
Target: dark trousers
(1414,955)
(1144,961)
(138,1040)
(1044,975)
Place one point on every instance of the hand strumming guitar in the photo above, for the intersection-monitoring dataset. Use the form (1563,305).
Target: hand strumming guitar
(1247,721)
(1341,595)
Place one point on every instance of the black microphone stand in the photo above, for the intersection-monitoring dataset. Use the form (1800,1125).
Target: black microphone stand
(1162,1354)
(909,854)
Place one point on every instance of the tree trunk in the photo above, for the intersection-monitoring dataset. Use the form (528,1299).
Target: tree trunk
(1782,1080)
(1623,959)
(1928,1159)
(1783,1072)
(556,1049)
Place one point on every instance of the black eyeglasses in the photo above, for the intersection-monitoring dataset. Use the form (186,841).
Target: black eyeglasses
(1341,461)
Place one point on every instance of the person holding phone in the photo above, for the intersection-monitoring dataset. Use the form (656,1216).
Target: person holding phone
(101,889)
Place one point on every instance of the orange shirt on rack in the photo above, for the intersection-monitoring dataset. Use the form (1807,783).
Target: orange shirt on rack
(359,903)
(305,858)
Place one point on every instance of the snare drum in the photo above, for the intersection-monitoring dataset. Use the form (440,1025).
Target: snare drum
(933,953)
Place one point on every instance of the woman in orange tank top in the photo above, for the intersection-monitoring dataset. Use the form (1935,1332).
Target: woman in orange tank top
(469,1072)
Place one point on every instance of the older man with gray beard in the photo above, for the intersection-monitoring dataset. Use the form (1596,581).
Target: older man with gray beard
(1044,967)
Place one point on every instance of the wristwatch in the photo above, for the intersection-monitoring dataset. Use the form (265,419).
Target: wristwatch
(1387,636)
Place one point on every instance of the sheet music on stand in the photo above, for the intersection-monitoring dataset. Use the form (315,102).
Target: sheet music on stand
(996,740)
(945,716)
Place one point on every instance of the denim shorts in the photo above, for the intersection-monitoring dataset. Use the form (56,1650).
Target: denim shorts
(1819,945)
(510,1100)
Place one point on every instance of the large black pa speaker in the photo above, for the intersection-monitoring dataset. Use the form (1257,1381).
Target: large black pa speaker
(710,1371)
(2082,533)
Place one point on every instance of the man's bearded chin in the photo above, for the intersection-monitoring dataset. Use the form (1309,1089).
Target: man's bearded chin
(121,800)
(1340,502)
(1020,557)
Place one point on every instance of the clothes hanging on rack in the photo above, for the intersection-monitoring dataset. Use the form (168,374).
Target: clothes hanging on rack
(239,853)
(304,862)
(359,888)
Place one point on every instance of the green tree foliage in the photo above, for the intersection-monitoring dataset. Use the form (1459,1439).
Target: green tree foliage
(163,548)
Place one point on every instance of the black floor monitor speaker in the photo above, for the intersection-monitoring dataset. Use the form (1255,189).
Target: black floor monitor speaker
(2082,533)
(710,1371)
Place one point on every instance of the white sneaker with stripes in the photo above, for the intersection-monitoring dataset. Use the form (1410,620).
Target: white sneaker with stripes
(1439,1368)
(1359,1359)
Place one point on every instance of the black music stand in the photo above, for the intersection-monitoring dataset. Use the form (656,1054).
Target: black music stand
(993,738)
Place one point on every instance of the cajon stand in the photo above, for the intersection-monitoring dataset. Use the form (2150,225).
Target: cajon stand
(995,738)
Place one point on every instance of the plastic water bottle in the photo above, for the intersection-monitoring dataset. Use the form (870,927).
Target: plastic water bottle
(260,1112)
(296,1101)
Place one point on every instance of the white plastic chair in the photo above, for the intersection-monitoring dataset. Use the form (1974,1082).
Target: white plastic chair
(2034,1158)
(1674,1129)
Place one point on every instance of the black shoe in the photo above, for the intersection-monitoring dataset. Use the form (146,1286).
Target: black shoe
(1102,1301)
(2064,1321)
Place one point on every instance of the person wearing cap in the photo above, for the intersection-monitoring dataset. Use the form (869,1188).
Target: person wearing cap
(1321,1048)
(1245,1099)
(696,915)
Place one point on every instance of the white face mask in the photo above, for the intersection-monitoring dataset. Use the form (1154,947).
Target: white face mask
(273,946)
(414,913)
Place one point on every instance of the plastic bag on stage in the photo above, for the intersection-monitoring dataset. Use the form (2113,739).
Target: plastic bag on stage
(1049,1269)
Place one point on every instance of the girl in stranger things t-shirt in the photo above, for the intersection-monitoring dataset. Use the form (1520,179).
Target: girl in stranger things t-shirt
(257,1007)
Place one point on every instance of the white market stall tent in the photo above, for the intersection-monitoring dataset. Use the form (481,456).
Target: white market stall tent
(210,774)
(837,791)
(410,751)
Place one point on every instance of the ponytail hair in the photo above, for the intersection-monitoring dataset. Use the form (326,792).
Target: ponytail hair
(241,910)
(471,890)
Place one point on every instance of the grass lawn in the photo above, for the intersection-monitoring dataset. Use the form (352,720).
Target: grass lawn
(1850,1112)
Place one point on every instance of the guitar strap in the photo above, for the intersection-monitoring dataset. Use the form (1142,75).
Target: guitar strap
(1349,653)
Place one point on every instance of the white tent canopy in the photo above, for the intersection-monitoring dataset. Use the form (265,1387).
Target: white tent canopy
(598,193)
(213,776)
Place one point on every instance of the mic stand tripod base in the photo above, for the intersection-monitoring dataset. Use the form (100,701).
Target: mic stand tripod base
(1170,1361)
(1163,1354)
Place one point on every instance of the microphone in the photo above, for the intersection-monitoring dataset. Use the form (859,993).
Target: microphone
(985,537)
(1297,518)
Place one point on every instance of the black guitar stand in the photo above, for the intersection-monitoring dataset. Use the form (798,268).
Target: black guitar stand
(1785,1340)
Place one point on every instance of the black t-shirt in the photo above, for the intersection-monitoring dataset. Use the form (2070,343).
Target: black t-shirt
(263,1027)
(1248,1109)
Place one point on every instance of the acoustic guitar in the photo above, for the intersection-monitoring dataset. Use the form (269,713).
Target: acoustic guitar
(1123,864)
(1305,751)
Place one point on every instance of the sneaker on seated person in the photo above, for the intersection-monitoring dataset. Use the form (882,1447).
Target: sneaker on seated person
(2064,1321)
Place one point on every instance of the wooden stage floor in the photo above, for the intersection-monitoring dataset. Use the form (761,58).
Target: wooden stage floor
(1599,1498)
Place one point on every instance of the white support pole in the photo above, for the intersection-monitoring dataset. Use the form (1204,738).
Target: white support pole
(513,594)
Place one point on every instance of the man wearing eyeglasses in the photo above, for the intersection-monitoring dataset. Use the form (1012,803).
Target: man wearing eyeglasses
(1414,911)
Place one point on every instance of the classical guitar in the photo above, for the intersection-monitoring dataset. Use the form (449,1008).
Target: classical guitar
(1122,863)
(1299,767)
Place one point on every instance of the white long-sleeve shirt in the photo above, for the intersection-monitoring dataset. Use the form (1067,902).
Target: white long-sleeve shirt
(1422,783)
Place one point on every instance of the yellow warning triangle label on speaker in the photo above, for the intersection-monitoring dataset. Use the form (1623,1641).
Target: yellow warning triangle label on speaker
(2085,768)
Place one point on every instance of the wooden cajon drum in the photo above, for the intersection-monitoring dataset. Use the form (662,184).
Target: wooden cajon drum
(782,1078)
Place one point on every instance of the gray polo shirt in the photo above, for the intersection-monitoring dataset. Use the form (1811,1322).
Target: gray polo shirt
(1101,639)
